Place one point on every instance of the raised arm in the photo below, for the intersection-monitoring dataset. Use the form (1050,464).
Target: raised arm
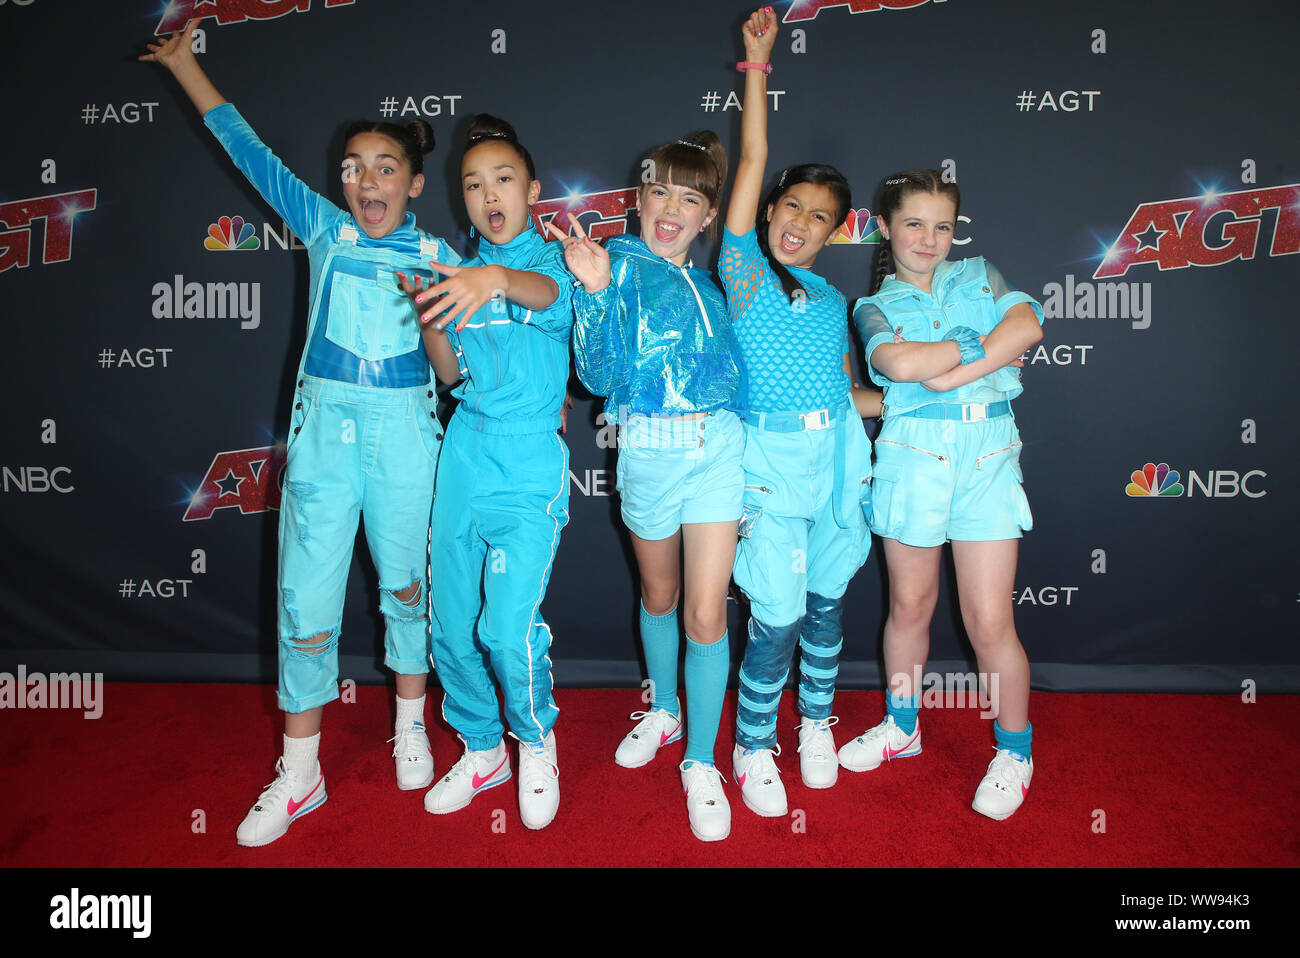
(177,54)
(760,36)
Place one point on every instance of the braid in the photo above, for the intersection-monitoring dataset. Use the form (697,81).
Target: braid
(884,266)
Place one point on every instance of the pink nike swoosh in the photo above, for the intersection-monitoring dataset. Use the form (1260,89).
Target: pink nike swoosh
(478,782)
(665,736)
(294,806)
(741,780)
(1024,790)
(891,752)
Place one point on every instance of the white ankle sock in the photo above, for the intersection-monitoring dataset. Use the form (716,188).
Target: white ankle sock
(300,756)
(408,711)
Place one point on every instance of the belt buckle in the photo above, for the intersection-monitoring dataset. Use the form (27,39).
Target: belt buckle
(974,412)
(820,419)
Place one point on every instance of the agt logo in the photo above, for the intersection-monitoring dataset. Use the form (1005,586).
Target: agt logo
(808,9)
(59,211)
(247,479)
(1207,230)
(858,227)
(1161,482)
(177,13)
(610,209)
(233,233)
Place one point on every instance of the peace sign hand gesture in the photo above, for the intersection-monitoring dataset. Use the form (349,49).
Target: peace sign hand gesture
(587,260)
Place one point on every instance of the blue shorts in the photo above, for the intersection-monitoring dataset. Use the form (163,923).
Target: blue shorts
(673,472)
(791,542)
(936,480)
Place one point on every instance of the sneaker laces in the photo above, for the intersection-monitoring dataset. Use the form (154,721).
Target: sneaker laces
(644,718)
(407,740)
(817,730)
(763,763)
(704,781)
(271,792)
(536,771)
(1005,768)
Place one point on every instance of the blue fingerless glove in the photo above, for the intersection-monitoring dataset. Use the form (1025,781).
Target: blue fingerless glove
(968,341)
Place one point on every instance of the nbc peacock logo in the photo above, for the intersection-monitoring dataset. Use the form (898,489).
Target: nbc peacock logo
(1154,480)
(231,233)
(858,227)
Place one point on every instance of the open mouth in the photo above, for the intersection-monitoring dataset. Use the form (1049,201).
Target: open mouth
(667,232)
(373,211)
(790,243)
(496,221)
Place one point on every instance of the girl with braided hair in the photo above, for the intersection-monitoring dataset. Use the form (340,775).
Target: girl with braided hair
(943,340)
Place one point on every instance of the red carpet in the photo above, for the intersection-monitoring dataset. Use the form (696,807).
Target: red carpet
(1182,780)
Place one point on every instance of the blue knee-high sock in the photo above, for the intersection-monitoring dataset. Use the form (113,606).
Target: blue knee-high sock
(819,656)
(706,684)
(904,711)
(1019,743)
(659,642)
(762,676)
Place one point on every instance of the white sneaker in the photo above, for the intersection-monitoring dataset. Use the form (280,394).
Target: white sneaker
(884,743)
(539,782)
(413,757)
(707,806)
(281,803)
(474,773)
(759,780)
(657,728)
(1005,785)
(817,762)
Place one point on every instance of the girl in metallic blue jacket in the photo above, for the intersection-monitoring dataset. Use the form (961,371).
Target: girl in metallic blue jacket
(652,334)
(363,374)
(943,338)
(503,480)
(807,457)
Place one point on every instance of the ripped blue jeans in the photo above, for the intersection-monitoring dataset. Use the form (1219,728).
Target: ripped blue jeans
(354,450)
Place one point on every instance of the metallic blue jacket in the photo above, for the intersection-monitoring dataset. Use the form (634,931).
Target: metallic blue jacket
(657,340)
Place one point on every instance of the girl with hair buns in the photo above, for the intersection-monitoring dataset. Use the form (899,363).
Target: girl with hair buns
(807,456)
(943,340)
(363,376)
(652,334)
(503,482)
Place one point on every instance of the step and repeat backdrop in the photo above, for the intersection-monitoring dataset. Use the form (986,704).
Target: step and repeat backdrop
(1136,167)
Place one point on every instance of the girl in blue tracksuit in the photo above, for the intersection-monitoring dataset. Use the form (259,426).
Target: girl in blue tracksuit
(943,338)
(503,481)
(807,457)
(652,334)
(363,376)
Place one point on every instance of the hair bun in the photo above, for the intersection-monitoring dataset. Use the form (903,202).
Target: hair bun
(485,126)
(422,133)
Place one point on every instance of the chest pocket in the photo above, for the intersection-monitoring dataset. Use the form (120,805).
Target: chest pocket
(971,304)
(369,315)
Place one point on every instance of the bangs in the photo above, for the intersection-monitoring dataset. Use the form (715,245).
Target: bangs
(686,166)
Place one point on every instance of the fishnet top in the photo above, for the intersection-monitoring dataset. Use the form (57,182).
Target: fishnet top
(793,351)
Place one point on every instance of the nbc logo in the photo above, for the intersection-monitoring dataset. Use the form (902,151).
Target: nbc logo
(1153,480)
(1161,482)
(858,227)
(231,233)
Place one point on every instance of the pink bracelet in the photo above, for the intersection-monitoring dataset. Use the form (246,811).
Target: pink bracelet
(744,65)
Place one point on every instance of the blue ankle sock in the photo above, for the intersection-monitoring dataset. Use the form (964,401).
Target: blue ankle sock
(1018,743)
(706,684)
(904,711)
(659,642)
